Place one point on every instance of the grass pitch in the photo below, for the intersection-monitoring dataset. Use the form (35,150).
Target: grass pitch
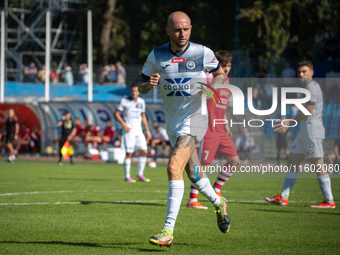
(87,208)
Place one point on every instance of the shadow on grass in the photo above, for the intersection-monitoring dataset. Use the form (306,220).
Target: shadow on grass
(84,244)
(120,202)
(311,211)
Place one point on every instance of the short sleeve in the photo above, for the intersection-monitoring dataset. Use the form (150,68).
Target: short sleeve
(143,106)
(121,106)
(149,67)
(312,88)
(211,63)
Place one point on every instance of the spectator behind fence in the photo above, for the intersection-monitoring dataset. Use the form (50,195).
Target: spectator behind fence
(42,74)
(105,76)
(288,74)
(84,71)
(244,144)
(159,136)
(113,73)
(121,73)
(257,100)
(69,76)
(54,77)
(268,90)
(31,72)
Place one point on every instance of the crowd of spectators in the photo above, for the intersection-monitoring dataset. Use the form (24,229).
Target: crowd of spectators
(109,74)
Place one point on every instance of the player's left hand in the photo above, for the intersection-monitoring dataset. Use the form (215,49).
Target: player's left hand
(278,128)
(148,135)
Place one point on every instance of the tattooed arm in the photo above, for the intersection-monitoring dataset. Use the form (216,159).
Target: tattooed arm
(219,77)
(144,86)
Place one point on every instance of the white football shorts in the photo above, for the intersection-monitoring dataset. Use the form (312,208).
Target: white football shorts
(311,147)
(132,142)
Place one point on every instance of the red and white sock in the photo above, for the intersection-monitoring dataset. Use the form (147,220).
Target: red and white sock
(222,177)
(193,194)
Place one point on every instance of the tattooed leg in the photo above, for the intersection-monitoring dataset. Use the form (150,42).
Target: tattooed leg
(180,156)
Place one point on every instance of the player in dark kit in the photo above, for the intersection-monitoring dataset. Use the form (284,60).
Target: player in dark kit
(12,131)
(68,131)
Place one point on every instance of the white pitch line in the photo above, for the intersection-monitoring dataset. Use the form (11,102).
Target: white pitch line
(40,192)
(134,201)
(125,191)
(73,191)
(85,202)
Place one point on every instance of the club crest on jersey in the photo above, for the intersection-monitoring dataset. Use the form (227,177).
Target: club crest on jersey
(191,65)
(178,84)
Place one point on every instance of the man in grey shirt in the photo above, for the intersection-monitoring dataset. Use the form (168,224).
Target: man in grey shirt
(308,143)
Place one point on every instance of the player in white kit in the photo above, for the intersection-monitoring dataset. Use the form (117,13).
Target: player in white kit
(177,67)
(308,143)
(133,139)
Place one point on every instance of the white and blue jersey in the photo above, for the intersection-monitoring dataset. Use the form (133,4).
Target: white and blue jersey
(180,75)
(132,111)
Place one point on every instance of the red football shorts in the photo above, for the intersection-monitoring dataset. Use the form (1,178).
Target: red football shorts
(217,145)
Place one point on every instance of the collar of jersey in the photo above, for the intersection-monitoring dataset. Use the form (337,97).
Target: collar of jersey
(181,53)
(130,98)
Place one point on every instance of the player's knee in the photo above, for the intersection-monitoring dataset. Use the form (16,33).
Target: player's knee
(174,171)
(143,153)
(128,155)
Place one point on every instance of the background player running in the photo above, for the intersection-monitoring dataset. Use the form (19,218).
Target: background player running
(176,66)
(133,109)
(12,133)
(308,143)
(217,142)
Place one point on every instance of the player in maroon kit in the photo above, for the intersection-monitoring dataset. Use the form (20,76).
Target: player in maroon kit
(217,142)
(109,133)
(24,137)
(93,136)
(81,133)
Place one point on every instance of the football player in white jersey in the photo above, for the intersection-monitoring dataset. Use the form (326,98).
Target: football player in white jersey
(176,66)
(308,143)
(133,109)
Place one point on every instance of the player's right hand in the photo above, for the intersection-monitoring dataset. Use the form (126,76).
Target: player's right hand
(126,128)
(154,78)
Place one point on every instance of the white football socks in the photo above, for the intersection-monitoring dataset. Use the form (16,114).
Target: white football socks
(141,165)
(204,186)
(175,195)
(326,189)
(288,184)
(127,166)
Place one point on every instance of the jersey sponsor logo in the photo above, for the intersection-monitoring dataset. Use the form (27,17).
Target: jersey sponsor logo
(179,84)
(178,60)
(191,65)
(165,66)
(224,93)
